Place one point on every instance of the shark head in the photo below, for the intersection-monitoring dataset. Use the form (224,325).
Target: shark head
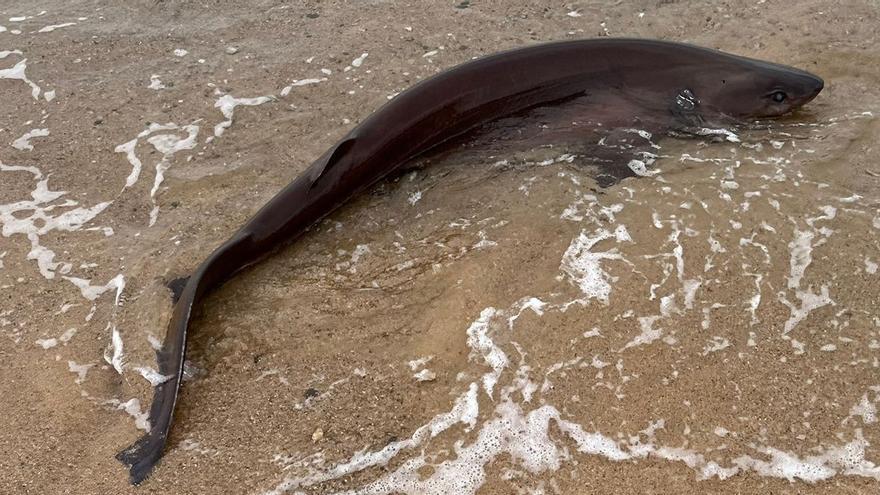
(730,87)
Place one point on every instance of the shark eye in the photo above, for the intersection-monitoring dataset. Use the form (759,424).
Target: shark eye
(778,96)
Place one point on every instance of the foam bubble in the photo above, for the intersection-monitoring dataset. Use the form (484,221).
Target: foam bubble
(866,410)
(23,143)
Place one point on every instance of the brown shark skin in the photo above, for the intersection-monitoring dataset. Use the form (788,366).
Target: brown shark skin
(648,74)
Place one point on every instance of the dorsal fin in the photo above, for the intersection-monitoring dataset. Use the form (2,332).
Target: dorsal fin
(326,163)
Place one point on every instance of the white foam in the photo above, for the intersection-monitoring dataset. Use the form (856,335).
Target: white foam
(583,265)
(418,363)
(301,82)
(64,338)
(92,292)
(167,145)
(180,52)
(23,143)
(572,211)
(425,375)
(49,29)
(464,411)
(810,301)
(648,332)
(39,220)
(801,248)
(727,134)
(594,332)
(640,168)
(532,303)
(482,345)
(17,72)
(113,354)
(227,104)
(133,408)
(865,409)
(717,343)
(155,83)
(128,148)
(276,373)
(484,241)
(67,335)
(80,369)
(190,445)
(523,436)
(593,443)
(360,60)
(151,375)
(351,265)
(847,459)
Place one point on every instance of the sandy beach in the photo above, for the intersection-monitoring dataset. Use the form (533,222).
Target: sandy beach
(492,323)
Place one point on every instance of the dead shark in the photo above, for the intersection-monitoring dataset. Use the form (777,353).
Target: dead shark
(610,81)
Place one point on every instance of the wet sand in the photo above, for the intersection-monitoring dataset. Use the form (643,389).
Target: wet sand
(493,323)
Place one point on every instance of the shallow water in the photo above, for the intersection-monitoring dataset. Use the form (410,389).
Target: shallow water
(492,323)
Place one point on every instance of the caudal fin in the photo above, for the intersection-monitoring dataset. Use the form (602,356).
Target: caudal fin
(142,455)
(176,286)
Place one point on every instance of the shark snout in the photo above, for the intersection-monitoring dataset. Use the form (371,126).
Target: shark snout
(816,85)
(804,88)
